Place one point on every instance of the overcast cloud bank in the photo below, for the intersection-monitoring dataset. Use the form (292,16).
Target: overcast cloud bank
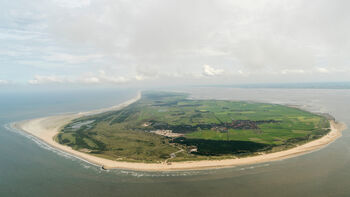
(199,41)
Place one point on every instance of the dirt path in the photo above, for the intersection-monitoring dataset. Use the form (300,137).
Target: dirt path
(173,155)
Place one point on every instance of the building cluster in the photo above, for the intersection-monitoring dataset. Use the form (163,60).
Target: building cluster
(167,133)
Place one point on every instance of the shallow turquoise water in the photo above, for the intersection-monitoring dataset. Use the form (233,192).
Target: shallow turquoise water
(30,168)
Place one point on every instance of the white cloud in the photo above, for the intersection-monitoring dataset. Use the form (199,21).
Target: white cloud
(73,59)
(73,3)
(47,79)
(90,80)
(210,71)
(4,82)
(87,78)
(156,40)
(323,70)
(101,77)
(293,71)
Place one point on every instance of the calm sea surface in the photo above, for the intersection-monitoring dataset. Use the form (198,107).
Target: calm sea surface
(28,167)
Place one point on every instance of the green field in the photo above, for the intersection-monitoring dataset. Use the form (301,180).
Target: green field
(200,129)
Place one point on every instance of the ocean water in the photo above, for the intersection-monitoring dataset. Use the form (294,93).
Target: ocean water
(28,167)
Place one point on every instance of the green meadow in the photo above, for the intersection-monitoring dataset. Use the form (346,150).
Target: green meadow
(205,129)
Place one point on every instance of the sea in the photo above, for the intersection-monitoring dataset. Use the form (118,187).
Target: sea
(29,167)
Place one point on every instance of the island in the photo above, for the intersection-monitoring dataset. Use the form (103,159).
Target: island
(169,131)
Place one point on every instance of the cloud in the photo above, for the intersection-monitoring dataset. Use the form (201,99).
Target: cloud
(293,71)
(91,80)
(268,34)
(210,71)
(72,3)
(323,70)
(42,79)
(4,82)
(87,78)
(101,77)
(73,59)
(156,40)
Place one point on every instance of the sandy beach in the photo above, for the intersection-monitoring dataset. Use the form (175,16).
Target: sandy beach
(48,127)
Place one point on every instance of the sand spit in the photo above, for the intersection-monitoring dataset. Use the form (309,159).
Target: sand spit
(48,127)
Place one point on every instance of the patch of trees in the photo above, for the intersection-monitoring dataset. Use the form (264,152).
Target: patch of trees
(220,147)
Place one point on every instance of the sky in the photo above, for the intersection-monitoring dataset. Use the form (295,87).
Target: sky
(148,42)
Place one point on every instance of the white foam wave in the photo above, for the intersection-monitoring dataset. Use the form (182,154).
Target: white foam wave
(254,167)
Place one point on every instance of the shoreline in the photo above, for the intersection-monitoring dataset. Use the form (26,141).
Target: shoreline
(47,128)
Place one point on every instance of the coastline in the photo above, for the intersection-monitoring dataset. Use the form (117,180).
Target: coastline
(47,128)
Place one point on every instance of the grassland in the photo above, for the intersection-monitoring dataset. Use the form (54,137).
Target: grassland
(205,129)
